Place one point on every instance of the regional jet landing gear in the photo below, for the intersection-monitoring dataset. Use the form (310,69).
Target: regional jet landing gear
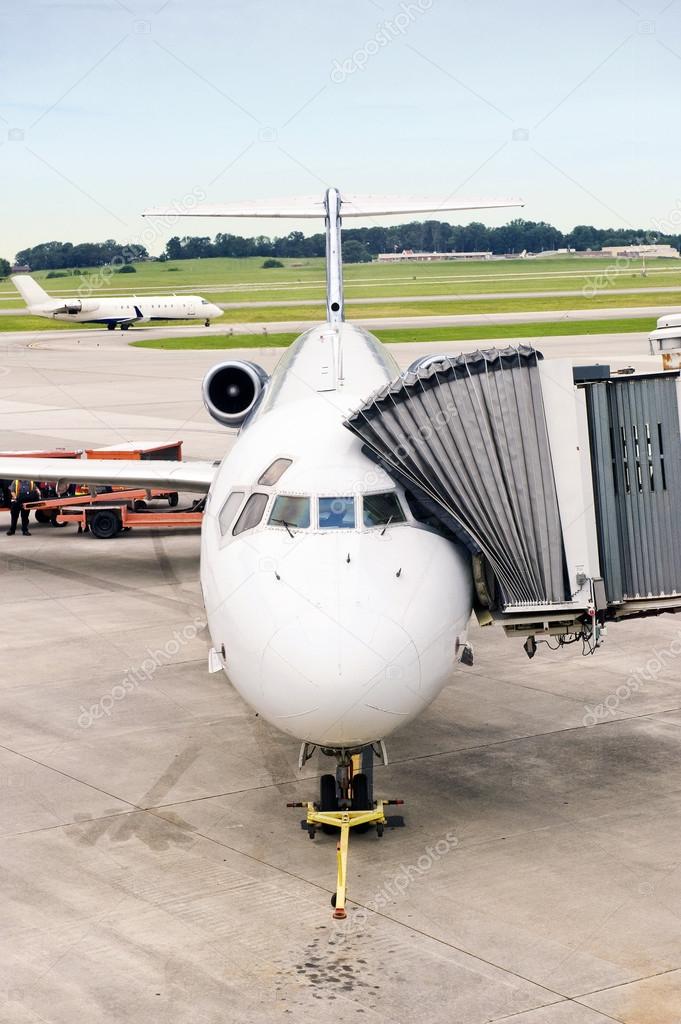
(111,327)
(206,323)
(345,801)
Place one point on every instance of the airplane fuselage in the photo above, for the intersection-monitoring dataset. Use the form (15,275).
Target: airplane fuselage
(128,309)
(336,613)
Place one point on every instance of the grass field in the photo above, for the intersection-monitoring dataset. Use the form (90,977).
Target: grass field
(400,335)
(303,280)
(658,301)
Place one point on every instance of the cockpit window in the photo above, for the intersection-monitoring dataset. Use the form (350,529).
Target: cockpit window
(252,513)
(289,511)
(274,472)
(336,513)
(382,509)
(229,510)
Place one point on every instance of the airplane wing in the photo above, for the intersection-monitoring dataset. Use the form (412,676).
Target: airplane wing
(176,476)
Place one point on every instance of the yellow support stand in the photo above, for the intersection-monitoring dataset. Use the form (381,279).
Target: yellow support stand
(344,820)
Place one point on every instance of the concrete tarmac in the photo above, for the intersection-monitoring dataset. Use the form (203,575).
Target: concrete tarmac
(151,871)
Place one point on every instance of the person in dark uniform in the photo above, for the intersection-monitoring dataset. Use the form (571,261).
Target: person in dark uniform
(21,492)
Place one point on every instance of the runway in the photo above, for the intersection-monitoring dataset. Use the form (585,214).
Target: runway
(152,872)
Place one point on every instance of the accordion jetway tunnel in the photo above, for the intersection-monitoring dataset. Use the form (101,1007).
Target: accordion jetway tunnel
(564,484)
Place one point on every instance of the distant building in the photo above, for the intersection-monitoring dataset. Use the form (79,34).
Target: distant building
(18,268)
(409,256)
(633,251)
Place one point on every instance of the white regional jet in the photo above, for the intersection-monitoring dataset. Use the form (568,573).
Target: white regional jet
(336,614)
(122,310)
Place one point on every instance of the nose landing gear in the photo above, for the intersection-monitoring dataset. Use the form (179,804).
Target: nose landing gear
(346,802)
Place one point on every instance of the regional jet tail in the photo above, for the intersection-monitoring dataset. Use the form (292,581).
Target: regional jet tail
(114,310)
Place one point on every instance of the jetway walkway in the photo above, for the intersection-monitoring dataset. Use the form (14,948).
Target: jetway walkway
(566,489)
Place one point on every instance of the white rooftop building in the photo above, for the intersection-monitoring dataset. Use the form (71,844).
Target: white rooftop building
(634,251)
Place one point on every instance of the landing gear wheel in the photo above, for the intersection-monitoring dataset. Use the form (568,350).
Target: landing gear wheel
(207,323)
(328,799)
(360,797)
(124,327)
(111,327)
(360,793)
(173,499)
(105,524)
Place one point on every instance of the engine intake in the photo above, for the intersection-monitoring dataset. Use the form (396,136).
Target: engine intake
(231,390)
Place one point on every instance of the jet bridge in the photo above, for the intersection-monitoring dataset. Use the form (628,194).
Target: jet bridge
(565,487)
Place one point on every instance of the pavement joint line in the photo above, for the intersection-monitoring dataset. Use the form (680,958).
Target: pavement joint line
(609,988)
(560,1002)
(105,585)
(577,700)
(513,739)
(385,917)
(65,824)
(66,775)
(134,809)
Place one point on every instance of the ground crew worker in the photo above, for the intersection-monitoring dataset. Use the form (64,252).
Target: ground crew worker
(21,492)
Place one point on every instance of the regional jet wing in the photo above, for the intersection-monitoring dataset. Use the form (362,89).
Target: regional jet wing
(177,476)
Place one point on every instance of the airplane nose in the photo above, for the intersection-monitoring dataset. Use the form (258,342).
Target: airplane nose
(217,311)
(341,682)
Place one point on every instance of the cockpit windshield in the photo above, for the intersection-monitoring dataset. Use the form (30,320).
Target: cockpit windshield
(290,511)
(336,513)
(382,509)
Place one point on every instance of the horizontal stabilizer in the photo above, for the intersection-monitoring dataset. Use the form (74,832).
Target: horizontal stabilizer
(351,206)
(178,476)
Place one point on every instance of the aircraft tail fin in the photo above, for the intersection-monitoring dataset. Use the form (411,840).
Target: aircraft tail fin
(30,290)
(333,207)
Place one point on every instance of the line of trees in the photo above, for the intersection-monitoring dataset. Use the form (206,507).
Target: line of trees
(63,255)
(360,244)
(4,268)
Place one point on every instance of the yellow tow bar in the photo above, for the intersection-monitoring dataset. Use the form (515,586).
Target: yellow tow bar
(344,820)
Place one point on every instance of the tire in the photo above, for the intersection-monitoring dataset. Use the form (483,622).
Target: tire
(360,798)
(328,801)
(42,516)
(360,793)
(111,327)
(124,327)
(105,524)
(173,499)
(139,505)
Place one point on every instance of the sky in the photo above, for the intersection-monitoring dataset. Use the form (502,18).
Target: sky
(108,107)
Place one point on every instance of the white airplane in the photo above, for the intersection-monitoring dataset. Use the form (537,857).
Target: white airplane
(334,612)
(122,310)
